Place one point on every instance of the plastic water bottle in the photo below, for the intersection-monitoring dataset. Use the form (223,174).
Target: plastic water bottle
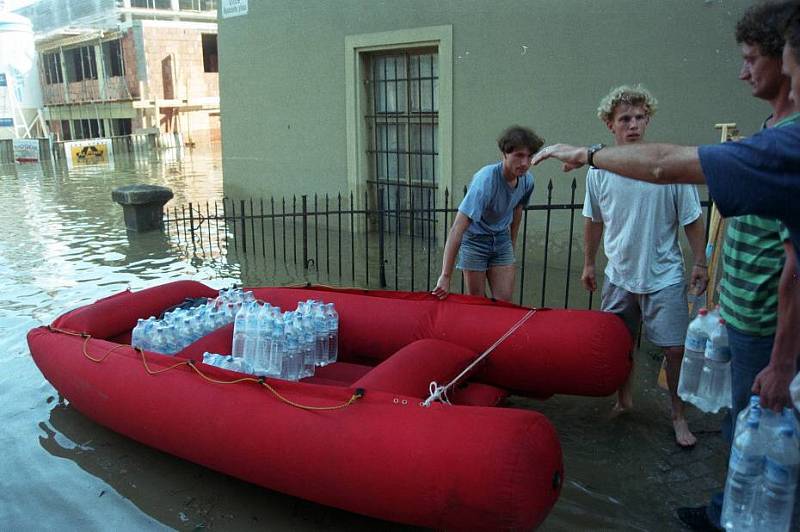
(332,322)
(200,323)
(791,419)
(159,341)
(321,332)
(309,344)
(218,317)
(277,350)
(693,356)
(144,338)
(744,475)
(227,362)
(240,332)
(292,359)
(263,339)
(251,331)
(775,501)
(137,335)
(741,418)
(714,390)
(183,332)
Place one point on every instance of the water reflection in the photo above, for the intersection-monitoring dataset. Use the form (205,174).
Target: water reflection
(180,494)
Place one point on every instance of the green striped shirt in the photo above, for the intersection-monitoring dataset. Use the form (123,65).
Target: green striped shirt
(752,261)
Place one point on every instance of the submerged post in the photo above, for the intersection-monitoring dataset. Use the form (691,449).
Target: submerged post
(142,205)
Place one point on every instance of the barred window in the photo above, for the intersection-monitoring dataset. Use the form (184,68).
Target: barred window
(152,4)
(402,125)
(112,56)
(81,63)
(52,68)
(197,5)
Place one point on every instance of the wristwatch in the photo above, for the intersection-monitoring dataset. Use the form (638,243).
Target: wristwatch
(594,148)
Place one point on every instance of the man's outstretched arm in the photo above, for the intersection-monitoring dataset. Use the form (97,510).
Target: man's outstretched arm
(655,163)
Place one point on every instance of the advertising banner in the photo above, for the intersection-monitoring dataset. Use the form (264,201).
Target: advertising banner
(26,150)
(88,152)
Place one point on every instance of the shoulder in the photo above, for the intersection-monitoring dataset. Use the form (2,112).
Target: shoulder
(487,174)
(762,143)
(793,118)
(685,189)
(597,176)
(768,152)
(527,180)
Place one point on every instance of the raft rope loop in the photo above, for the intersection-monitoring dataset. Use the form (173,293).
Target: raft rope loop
(357,394)
(439,393)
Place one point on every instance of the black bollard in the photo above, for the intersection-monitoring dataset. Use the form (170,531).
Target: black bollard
(142,206)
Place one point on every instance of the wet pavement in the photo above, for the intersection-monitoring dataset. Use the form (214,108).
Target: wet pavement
(630,464)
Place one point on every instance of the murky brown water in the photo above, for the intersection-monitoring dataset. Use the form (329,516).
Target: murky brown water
(63,244)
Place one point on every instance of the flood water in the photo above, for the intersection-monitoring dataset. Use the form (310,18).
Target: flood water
(63,244)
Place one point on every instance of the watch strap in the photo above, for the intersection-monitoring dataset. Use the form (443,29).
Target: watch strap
(594,148)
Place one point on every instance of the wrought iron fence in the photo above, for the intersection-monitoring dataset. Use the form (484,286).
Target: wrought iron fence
(335,240)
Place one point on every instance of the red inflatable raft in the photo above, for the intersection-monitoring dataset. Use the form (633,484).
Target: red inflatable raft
(356,435)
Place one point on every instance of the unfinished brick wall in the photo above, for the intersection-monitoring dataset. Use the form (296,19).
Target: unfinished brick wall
(186,48)
(129,59)
(174,57)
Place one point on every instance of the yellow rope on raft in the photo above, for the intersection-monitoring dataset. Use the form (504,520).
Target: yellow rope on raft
(357,394)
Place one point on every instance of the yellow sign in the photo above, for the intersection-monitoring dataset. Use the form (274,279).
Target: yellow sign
(90,154)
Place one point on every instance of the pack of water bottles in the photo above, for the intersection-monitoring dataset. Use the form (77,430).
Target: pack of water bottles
(227,362)
(189,322)
(286,345)
(762,471)
(705,378)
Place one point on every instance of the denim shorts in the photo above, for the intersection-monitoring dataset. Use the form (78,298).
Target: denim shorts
(480,252)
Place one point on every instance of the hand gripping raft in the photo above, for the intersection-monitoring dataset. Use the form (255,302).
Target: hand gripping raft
(439,393)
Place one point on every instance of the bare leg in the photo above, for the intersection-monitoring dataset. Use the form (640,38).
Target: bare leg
(501,281)
(683,435)
(475,283)
(624,395)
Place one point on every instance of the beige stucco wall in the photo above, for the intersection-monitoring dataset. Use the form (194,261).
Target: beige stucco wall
(543,63)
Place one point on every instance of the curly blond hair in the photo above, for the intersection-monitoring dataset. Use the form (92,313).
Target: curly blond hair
(636,95)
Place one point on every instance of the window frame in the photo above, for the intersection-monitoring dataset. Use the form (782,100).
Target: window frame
(112,58)
(356,49)
(52,68)
(210,57)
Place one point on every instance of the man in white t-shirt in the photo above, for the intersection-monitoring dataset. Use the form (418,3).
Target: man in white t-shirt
(639,222)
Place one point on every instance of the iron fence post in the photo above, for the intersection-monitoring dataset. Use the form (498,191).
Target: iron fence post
(244,226)
(305,232)
(381,241)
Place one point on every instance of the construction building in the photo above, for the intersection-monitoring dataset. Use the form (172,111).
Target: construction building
(119,67)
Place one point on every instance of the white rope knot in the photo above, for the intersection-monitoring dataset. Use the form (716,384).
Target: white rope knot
(439,393)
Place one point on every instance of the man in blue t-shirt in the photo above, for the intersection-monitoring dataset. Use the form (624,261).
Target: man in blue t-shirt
(485,228)
(759,175)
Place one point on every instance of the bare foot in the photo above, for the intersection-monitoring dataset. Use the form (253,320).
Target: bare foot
(683,436)
(620,407)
